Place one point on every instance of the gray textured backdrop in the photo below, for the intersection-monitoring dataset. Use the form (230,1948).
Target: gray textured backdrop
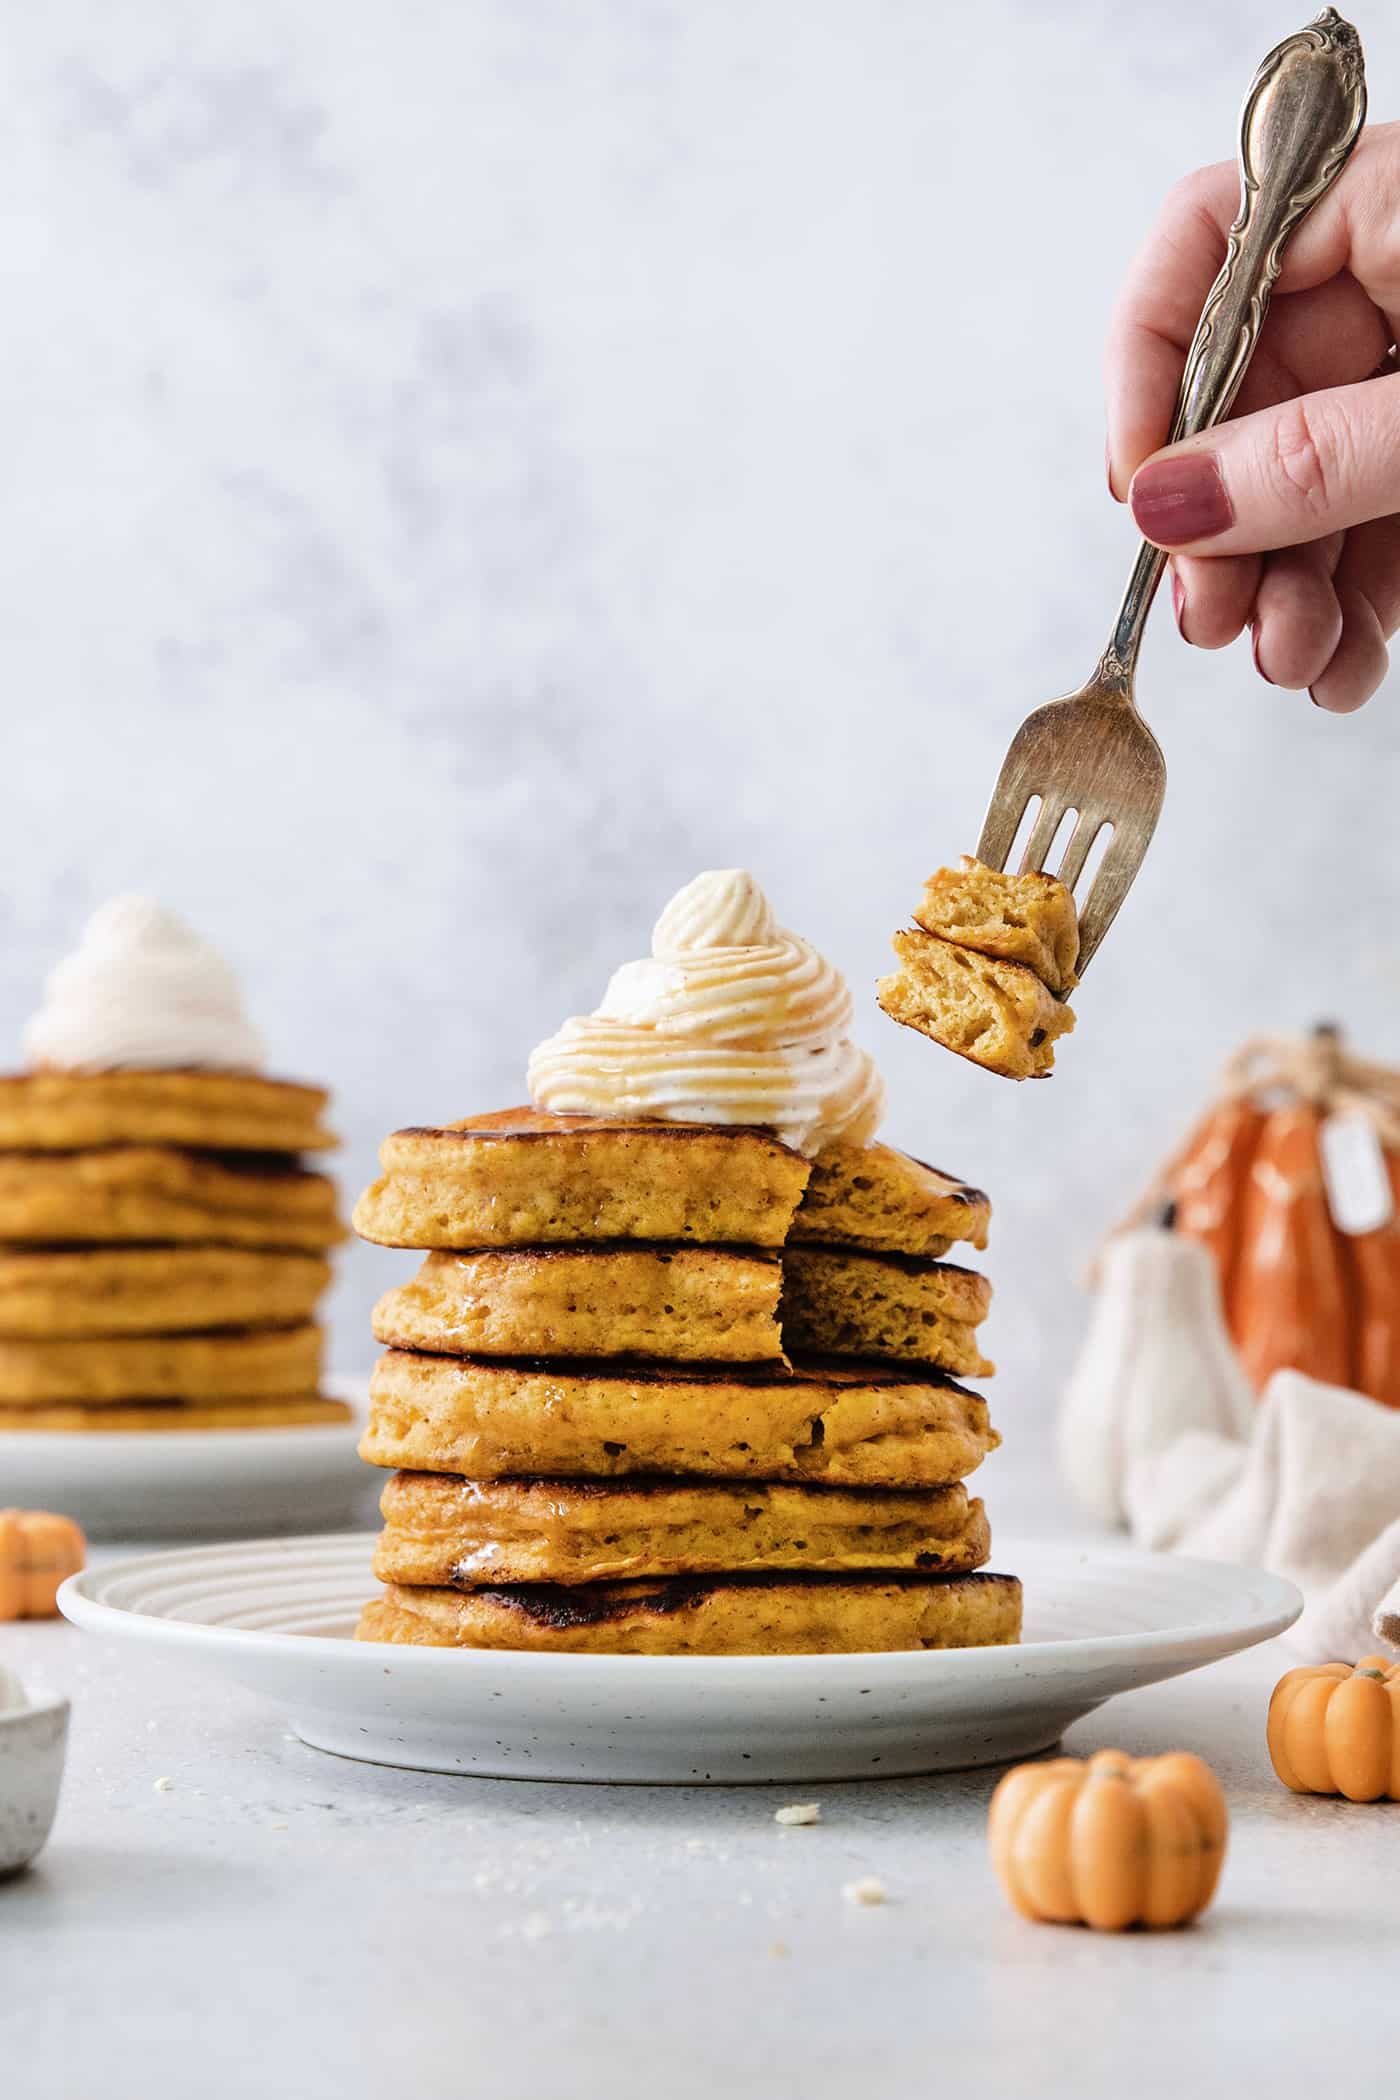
(470,466)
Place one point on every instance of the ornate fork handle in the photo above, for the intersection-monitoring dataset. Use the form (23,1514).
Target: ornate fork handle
(1300,120)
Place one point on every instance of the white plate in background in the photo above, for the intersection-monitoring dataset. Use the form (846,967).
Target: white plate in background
(196,1483)
(276,1616)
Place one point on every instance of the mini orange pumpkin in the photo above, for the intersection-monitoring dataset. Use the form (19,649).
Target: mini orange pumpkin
(1335,1729)
(38,1551)
(1115,1842)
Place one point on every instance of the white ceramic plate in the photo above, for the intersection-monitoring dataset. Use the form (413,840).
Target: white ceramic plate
(195,1483)
(275,1616)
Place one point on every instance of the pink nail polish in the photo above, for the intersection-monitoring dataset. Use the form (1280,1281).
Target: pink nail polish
(1254,647)
(1179,603)
(1176,501)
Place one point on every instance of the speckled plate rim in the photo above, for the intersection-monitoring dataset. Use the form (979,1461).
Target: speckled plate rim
(193,1484)
(1264,1606)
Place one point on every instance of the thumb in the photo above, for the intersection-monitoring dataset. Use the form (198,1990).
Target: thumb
(1289,474)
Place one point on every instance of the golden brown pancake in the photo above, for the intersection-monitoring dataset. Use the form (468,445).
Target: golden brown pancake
(292,1411)
(860,1425)
(223,1111)
(796,1614)
(153,1290)
(454,1533)
(520,1178)
(1028,919)
(690,1304)
(150,1193)
(873,1196)
(840,1302)
(998,1014)
(256,1363)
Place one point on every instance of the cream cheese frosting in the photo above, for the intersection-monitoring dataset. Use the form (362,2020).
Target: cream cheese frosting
(730,1019)
(142,989)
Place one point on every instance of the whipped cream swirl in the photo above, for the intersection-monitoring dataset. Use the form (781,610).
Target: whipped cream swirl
(142,989)
(730,1019)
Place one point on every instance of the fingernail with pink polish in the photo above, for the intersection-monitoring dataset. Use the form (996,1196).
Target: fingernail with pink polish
(1180,500)
(1254,647)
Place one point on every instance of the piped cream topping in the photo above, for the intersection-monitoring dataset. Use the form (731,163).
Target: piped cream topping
(142,989)
(730,1019)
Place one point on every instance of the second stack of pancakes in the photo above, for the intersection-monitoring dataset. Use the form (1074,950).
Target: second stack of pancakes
(673,1388)
(162,1250)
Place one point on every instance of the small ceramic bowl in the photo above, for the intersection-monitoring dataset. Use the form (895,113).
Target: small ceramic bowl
(32,1743)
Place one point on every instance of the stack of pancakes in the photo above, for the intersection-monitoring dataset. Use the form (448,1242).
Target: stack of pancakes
(162,1250)
(673,1388)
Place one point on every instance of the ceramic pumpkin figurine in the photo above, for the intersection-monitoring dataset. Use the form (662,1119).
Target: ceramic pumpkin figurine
(1335,1729)
(1118,1841)
(1298,1292)
(1290,1306)
(1376,1257)
(38,1551)
(1206,1181)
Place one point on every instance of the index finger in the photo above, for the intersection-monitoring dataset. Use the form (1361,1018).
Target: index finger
(1160,302)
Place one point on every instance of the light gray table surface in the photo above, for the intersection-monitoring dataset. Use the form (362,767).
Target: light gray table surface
(276,1921)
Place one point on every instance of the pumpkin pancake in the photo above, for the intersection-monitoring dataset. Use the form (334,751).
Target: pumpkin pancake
(50,1110)
(998,1014)
(444,1531)
(1028,918)
(255,1364)
(293,1410)
(873,1196)
(691,1304)
(152,1290)
(859,1425)
(840,1302)
(520,1178)
(151,1193)
(794,1614)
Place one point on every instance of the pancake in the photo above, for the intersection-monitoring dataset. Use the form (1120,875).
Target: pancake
(1028,919)
(858,1425)
(223,1111)
(518,1178)
(799,1614)
(681,1304)
(454,1533)
(838,1302)
(256,1364)
(153,1290)
(997,1014)
(873,1196)
(150,1192)
(292,1411)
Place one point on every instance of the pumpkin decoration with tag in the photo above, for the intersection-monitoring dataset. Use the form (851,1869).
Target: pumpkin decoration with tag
(1118,1841)
(38,1552)
(1335,1729)
(1292,1182)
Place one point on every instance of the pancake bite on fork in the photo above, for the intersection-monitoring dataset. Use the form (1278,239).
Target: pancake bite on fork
(986,967)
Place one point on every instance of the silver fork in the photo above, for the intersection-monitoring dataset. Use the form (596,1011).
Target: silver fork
(1091,753)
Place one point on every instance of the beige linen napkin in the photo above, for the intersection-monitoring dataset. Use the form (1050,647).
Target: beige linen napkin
(1313,1493)
(1307,1483)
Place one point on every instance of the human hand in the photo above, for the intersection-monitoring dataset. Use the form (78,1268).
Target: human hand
(1286,519)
